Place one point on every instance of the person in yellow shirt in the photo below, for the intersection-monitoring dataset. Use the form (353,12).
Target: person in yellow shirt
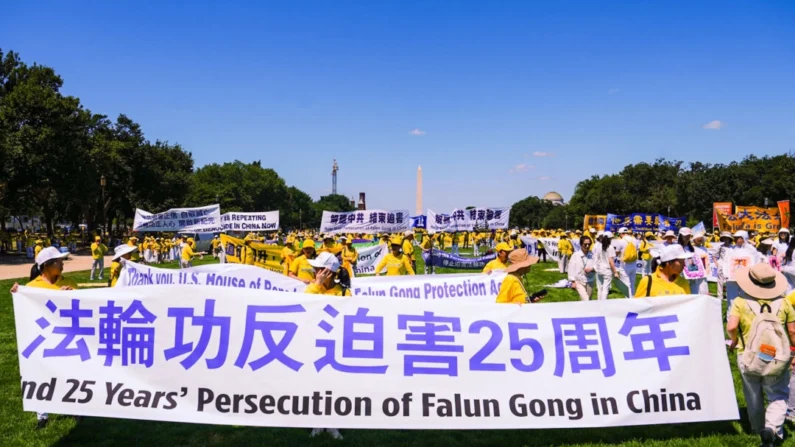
(644,248)
(133,242)
(408,248)
(121,252)
(666,278)
(501,261)
(396,262)
(98,250)
(565,250)
(330,279)
(512,290)
(300,268)
(330,246)
(216,246)
(157,249)
(186,260)
(37,249)
(349,255)
(427,249)
(288,255)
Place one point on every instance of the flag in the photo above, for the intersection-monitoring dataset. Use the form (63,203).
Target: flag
(783,212)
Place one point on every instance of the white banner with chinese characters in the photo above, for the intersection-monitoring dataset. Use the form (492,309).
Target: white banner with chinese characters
(475,219)
(204,219)
(365,221)
(264,221)
(244,357)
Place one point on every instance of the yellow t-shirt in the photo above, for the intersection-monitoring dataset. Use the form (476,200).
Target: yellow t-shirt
(494,264)
(395,265)
(302,269)
(214,243)
(661,287)
(98,250)
(349,256)
(740,309)
(187,253)
(250,255)
(427,242)
(40,283)
(332,248)
(115,271)
(135,256)
(512,291)
(408,249)
(565,248)
(37,250)
(317,289)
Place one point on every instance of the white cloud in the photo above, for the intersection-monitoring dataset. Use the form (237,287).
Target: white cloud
(714,125)
(521,167)
(613,91)
(545,178)
(417,132)
(543,154)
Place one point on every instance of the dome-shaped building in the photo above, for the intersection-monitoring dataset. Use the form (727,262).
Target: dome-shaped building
(554,198)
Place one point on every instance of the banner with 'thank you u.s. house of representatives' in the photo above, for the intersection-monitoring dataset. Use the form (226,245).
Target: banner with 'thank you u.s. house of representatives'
(263,358)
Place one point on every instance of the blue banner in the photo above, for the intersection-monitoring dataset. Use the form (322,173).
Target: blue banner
(439,258)
(641,222)
(419,222)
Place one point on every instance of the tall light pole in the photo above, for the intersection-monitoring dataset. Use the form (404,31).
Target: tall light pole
(102,183)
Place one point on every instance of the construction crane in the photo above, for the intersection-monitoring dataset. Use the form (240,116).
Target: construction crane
(334,170)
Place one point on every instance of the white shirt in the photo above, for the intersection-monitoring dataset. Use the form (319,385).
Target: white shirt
(577,264)
(601,259)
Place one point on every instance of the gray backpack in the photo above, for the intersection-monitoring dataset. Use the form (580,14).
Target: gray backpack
(765,329)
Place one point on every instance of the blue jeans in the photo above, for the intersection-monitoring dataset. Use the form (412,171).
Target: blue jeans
(776,389)
(98,264)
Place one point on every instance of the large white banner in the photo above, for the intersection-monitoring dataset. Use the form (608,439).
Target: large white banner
(483,287)
(244,357)
(368,258)
(264,221)
(204,219)
(366,221)
(469,220)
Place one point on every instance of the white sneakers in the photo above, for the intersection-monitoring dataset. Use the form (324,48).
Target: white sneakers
(332,431)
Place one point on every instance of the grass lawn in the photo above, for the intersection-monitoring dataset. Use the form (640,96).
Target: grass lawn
(17,427)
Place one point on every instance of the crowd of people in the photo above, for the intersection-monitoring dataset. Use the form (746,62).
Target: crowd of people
(756,296)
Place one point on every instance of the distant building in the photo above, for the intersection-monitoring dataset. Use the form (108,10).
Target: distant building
(554,198)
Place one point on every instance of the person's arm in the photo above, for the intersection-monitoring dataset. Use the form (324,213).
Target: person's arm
(612,263)
(734,323)
(292,271)
(575,268)
(380,266)
(407,265)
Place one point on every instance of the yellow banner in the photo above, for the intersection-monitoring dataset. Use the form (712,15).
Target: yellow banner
(597,221)
(754,218)
(255,253)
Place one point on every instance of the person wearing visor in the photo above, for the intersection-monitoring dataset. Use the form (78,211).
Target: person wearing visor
(512,289)
(48,274)
(300,268)
(666,277)
(501,261)
(396,262)
(781,244)
(121,252)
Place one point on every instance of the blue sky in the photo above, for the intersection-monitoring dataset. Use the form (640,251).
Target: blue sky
(496,100)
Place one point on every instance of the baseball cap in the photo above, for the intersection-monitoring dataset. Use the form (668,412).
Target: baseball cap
(502,246)
(326,260)
(309,243)
(673,251)
(623,230)
(741,233)
(608,234)
(669,233)
(48,254)
(684,231)
(408,233)
(784,230)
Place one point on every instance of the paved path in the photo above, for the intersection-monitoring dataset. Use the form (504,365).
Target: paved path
(19,266)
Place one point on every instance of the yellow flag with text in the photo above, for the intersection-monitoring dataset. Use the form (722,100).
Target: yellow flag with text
(754,218)
(597,221)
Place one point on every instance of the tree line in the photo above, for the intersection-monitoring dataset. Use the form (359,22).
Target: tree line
(671,188)
(61,161)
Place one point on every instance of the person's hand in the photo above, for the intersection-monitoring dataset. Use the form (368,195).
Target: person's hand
(15,288)
(322,276)
(574,285)
(615,274)
(733,345)
(377,273)
(588,269)
(67,288)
